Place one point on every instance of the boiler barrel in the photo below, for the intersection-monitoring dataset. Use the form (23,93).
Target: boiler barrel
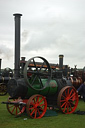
(19,88)
(51,89)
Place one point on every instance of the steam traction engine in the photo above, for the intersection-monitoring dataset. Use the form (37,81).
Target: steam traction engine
(35,87)
(37,90)
(5,76)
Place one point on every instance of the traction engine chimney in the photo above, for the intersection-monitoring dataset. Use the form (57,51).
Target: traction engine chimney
(61,61)
(17,45)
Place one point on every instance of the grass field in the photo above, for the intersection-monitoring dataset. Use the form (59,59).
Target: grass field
(59,121)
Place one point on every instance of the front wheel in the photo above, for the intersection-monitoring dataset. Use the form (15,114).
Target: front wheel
(36,106)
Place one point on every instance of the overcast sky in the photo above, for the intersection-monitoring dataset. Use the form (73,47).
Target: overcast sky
(48,28)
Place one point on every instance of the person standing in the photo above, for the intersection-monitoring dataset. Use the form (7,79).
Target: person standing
(81,90)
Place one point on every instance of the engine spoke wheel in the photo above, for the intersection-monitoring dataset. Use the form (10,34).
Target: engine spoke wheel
(3,89)
(36,69)
(36,106)
(67,100)
(15,109)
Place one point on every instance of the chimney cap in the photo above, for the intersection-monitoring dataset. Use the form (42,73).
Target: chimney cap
(17,14)
(61,56)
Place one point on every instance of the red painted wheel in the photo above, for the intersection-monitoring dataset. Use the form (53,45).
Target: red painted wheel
(15,109)
(36,106)
(67,99)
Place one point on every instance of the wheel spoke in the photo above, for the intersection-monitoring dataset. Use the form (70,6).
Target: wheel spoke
(31,108)
(35,113)
(63,96)
(62,100)
(34,80)
(71,92)
(38,112)
(40,100)
(35,65)
(41,84)
(16,110)
(19,108)
(67,108)
(41,66)
(64,108)
(11,106)
(34,100)
(70,106)
(32,103)
(63,104)
(37,99)
(42,104)
(41,109)
(72,103)
(32,112)
(72,95)
(13,109)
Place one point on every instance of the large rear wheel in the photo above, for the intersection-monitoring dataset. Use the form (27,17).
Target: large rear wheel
(67,99)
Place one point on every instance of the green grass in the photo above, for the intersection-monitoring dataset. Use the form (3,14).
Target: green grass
(60,121)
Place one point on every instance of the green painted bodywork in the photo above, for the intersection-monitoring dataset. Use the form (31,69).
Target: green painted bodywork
(50,89)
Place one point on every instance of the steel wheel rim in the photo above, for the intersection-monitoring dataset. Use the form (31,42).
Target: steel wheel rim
(15,109)
(68,100)
(36,106)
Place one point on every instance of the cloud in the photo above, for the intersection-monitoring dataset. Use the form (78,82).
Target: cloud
(48,28)
(5,52)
